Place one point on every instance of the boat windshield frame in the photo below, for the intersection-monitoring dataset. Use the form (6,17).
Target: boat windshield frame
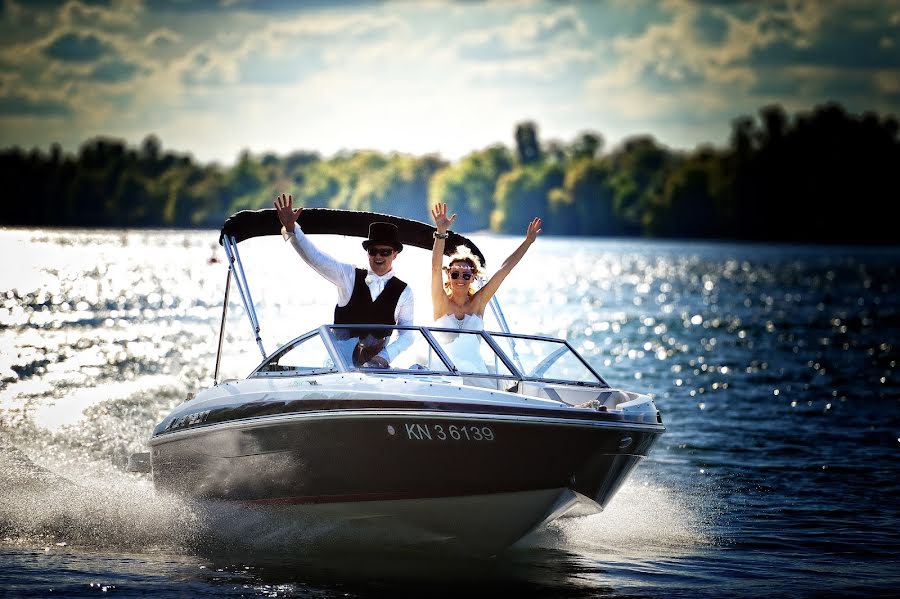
(337,361)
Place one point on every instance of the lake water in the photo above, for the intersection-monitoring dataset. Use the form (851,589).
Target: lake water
(775,368)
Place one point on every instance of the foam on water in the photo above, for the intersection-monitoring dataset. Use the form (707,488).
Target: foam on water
(116,511)
(642,517)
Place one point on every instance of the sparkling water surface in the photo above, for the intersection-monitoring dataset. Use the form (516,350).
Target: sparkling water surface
(774,368)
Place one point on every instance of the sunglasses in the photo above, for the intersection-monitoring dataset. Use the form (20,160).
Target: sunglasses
(465,275)
(384,253)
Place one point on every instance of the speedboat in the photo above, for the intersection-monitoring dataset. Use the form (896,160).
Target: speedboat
(469,439)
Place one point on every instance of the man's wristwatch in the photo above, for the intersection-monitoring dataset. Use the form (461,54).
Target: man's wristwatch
(437,235)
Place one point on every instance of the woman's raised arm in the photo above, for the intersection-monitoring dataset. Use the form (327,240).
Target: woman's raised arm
(484,295)
(442,224)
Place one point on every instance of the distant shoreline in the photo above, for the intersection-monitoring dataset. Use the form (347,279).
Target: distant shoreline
(485,233)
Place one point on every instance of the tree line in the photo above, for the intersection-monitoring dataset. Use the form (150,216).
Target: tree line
(825,175)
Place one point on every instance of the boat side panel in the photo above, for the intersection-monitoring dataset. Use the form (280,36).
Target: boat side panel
(308,460)
(274,406)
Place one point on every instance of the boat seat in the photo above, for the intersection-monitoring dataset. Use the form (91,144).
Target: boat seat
(581,397)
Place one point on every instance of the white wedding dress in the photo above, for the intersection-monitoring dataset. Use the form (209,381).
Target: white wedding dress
(463,349)
(471,322)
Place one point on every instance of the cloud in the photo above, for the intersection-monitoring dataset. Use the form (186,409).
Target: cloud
(720,52)
(205,66)
(289,50)
(162,39)
(256,6)
(525,36)
(678,71)
(689,75)
(653,72)
(334,28)
(107,15)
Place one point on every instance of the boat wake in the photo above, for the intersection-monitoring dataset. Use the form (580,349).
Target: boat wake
(62,484)
(62,477)
(41,508)
(644,516)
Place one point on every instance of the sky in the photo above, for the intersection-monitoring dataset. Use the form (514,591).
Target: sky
(215,77)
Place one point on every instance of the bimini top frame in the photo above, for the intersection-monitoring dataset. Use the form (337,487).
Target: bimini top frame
(248,224)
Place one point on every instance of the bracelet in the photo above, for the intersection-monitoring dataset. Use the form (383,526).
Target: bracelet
(437,235)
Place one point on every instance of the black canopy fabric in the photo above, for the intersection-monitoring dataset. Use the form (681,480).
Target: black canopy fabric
(247,224)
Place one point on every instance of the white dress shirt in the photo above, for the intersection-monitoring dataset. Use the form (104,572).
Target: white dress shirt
(343,276)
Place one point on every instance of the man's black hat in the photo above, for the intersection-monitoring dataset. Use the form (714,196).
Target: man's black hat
(383,234)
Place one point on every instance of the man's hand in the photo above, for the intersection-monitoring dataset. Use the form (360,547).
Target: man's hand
(286,213)
(376,361)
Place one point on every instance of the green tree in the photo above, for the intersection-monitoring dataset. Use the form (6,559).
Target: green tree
(528,147)
(587,144)
(691,202)
(638,172)
(523,193)
(397,186)
(468,186)
(585,205)
(246,184)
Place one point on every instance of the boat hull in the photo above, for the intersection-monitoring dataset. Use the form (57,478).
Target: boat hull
(472,524)
(521,469)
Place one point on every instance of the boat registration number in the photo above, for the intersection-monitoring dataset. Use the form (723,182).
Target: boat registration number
(448,432)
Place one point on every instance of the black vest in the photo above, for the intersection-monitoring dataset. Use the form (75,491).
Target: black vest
(361,309)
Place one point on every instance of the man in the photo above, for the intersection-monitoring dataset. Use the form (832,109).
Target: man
(373,296)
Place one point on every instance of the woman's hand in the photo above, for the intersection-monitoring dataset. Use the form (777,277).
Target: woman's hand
(441,222)
(286,213)
(533,230)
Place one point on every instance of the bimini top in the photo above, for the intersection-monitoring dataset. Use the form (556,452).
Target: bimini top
(247,224)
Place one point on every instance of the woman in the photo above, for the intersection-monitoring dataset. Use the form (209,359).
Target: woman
(456,304)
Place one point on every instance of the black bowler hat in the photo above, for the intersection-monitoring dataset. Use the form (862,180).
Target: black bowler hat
(383,234)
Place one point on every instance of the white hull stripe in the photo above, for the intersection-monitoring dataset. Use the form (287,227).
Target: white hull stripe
(263,421)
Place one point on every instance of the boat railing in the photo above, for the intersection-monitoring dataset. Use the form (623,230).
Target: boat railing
(485,358)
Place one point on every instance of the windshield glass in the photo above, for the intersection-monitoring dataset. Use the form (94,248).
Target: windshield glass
(470,352)
(307,355)
(431,350)
(400,348)
(545,359)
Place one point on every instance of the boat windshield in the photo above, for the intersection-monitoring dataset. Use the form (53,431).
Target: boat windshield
(482,358)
